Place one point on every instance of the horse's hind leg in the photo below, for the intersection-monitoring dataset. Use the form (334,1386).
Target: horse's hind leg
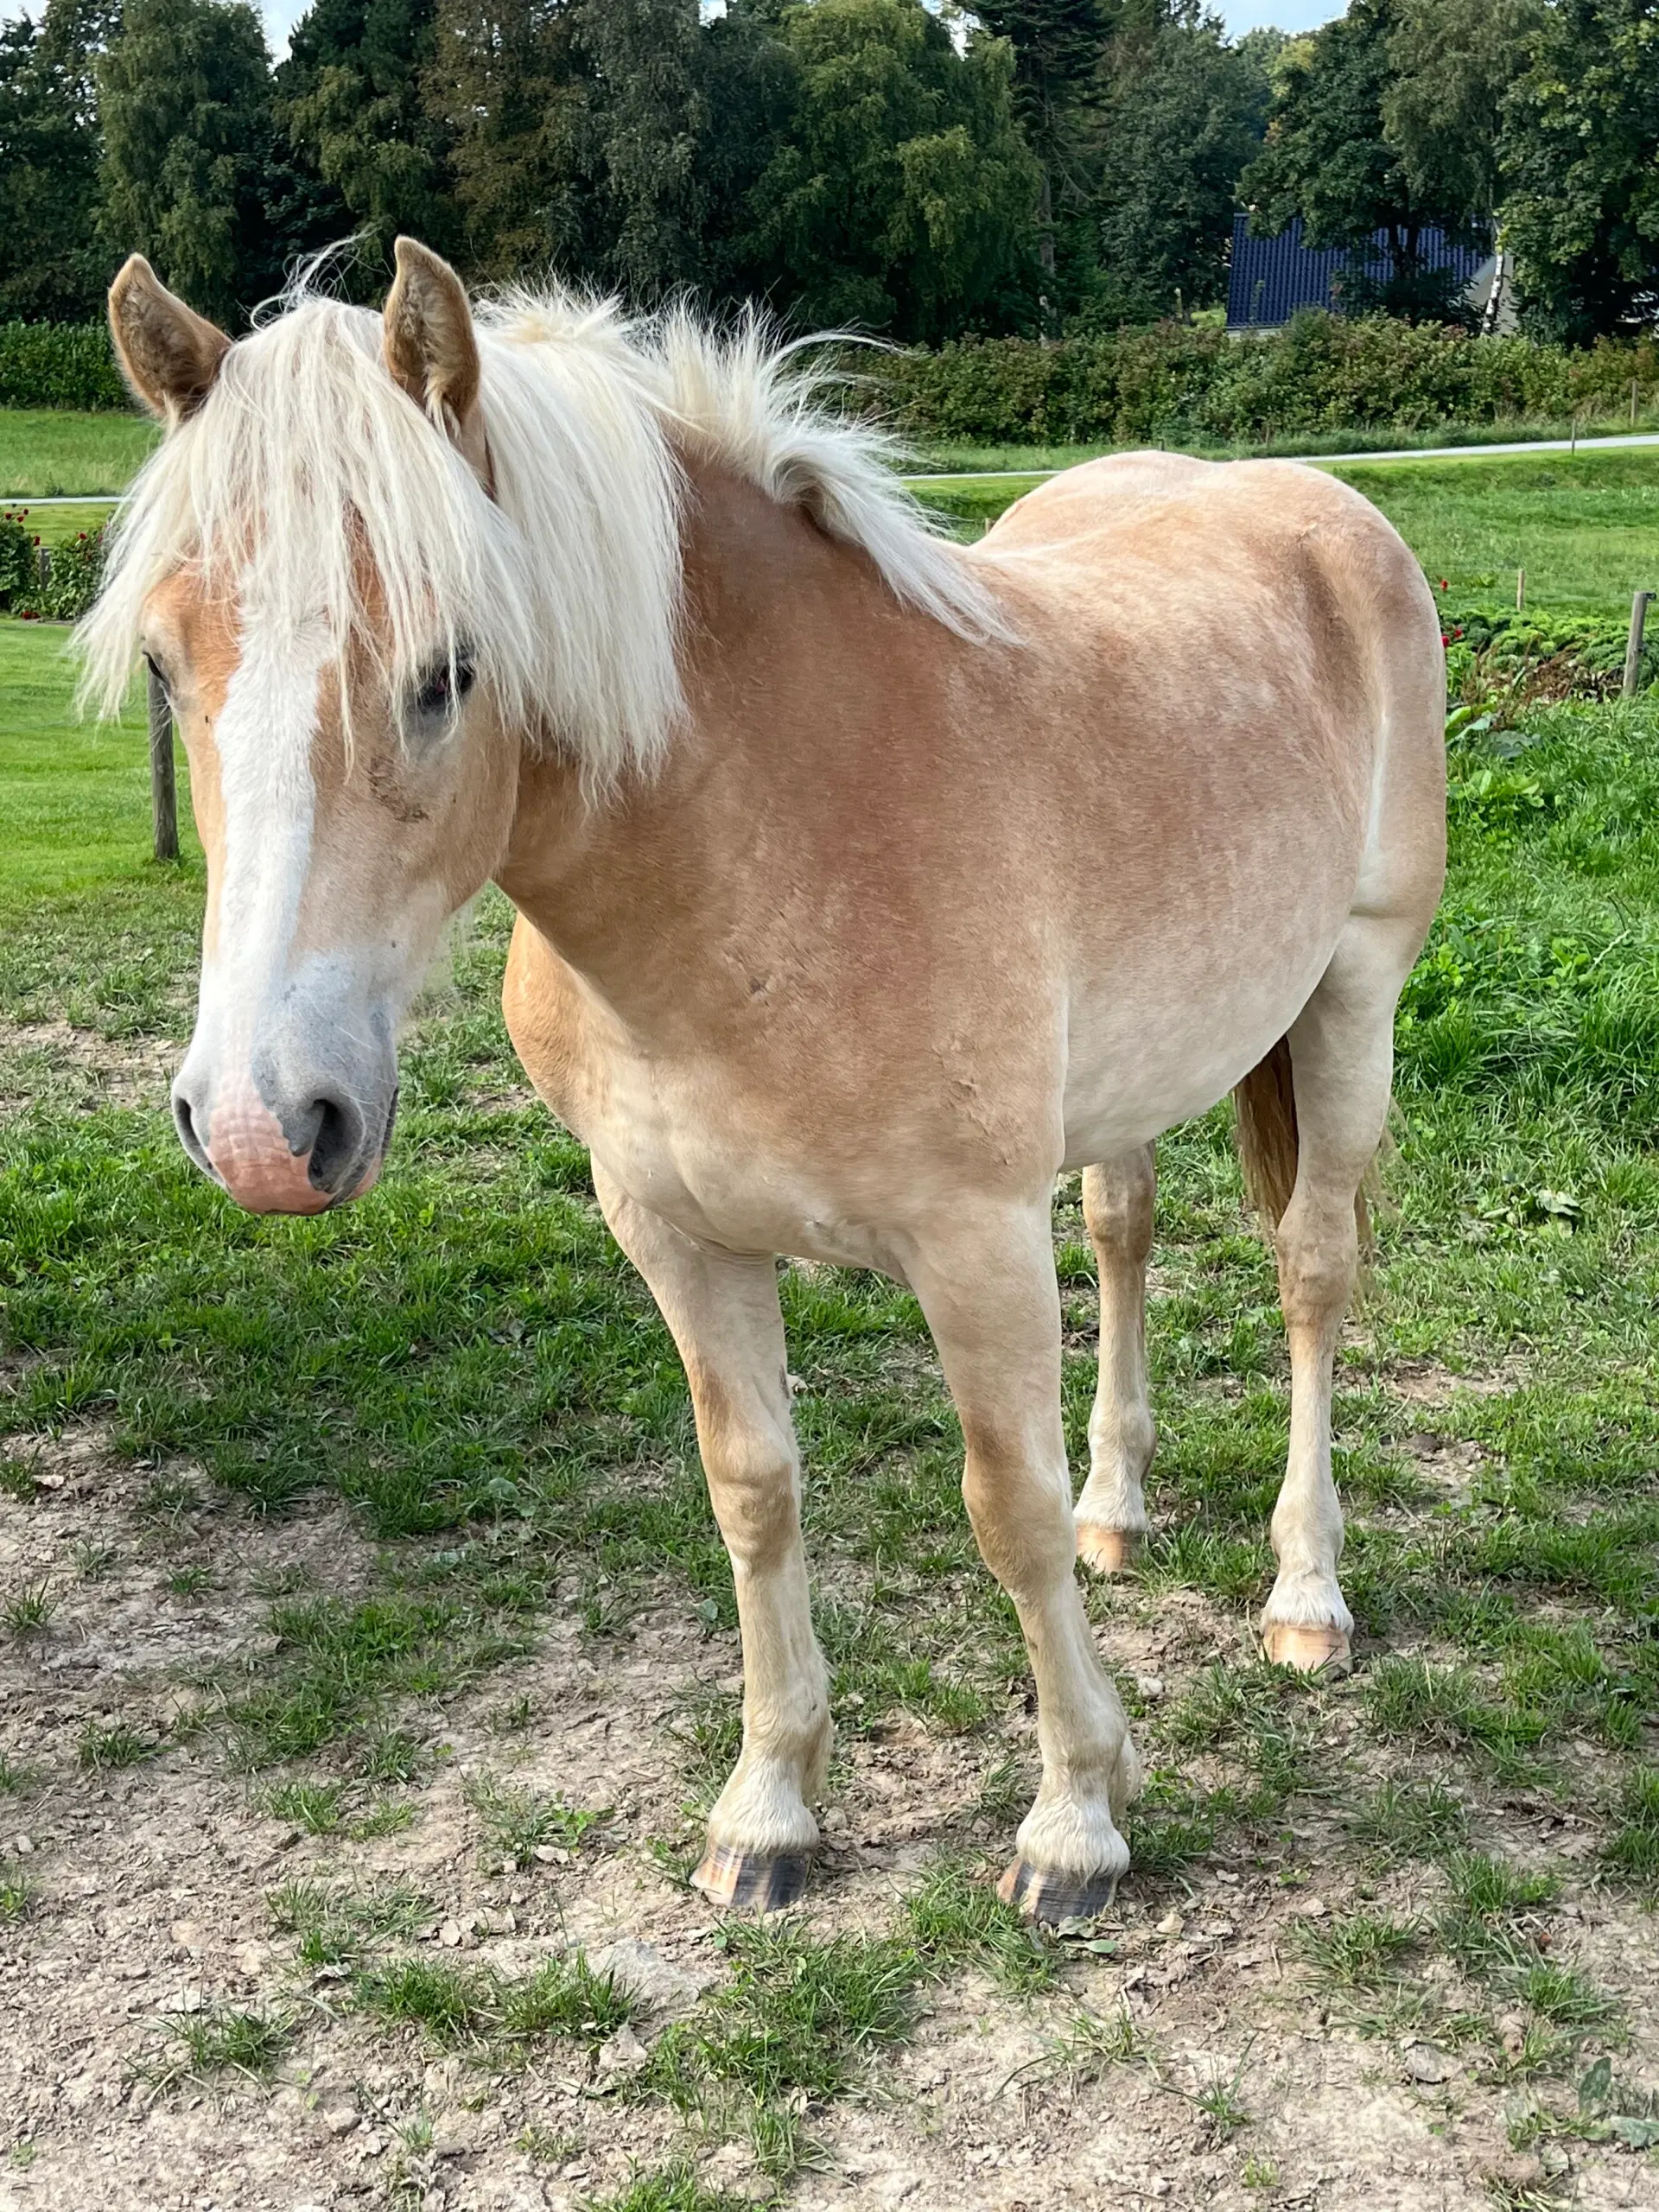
(987,1285)
(1341,1057)
(723,1312)
(1111,1514)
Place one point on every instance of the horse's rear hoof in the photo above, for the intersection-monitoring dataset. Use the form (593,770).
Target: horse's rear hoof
(749,1881)
(1108,1551)
(1049,1898)
(1310,1651)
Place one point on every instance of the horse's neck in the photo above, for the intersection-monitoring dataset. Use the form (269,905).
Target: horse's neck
(792,642)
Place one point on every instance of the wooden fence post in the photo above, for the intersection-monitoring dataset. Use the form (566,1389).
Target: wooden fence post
(1520,589)
(1633,643)
(164,790)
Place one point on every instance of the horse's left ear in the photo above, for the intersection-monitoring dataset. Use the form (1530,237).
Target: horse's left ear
(431,348)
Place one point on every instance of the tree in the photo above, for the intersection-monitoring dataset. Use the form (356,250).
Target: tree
(1058,46)
(351,98)
(1451,63)
(1579,166)
(1180,118)
(901,196)
(651,118)
(52,264)
(185,99)
(1329,159)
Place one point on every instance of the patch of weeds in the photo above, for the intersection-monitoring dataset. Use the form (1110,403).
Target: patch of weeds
(15,1896)
(455,2005)
(562,1997)
(1410,1821)
(116,1745)
(221,2040)
(1220,2106)
(428,1993)
(1633,1849)
(1086,2049)
(1565,1997)
(1169,1827)
(392,1756)
(391,1817)
(1358,1951)
(510,1719)
(670,2189)
(785,2033)
(171,1498)
(29,1610)
(336,1927)
(1259,2173)
(958,1919)
(1411,1699)
(1488,1887)
(16,1781)
(708,1726)
(519,1825)
(191,1581)
(92,1561)
(319,1807)
(545,2145)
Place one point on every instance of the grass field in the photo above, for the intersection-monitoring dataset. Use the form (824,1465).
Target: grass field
(450,1433)
(1586,527)
(45,451)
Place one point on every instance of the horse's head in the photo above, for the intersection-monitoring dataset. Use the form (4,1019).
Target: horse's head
(316,568)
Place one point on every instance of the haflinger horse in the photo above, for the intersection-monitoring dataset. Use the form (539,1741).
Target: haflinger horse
(865,882)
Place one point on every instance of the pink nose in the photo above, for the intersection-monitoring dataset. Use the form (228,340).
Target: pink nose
(251,1156)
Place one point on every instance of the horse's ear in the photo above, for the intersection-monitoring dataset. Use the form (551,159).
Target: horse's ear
(429,344)
(168,353)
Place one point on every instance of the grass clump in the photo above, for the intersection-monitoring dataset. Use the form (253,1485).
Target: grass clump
(1633,1849)
(674,2188)
(337,1928)
(319,1807)
(1359,1950)
(956,1919)
(1408,1820)
(786,2033)
(519,1825)
(456,2005)
(30,1609)
(221,2040)
(118,1745)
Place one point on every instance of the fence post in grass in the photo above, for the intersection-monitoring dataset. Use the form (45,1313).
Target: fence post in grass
(164,790)
(1633,643)
(1520,589)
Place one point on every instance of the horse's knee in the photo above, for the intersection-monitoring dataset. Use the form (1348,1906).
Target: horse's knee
(1118,1202)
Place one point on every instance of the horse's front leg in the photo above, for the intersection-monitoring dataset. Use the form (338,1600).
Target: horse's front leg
(988,1288)
(724,1314)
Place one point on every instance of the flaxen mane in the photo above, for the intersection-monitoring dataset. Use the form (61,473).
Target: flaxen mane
(308,484)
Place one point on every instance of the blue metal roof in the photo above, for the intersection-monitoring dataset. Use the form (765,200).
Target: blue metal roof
(1270,278)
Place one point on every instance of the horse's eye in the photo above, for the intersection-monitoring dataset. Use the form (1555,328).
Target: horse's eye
(445,688)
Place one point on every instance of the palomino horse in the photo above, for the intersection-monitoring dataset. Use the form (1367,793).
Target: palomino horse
(864,883)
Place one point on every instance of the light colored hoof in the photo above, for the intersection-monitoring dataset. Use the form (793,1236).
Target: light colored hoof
(1050,1899)
(1108,1551)
(747,1881)
(1310,1651)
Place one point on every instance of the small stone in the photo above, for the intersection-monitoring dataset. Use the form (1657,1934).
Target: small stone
(340,2120)
(1151,1687)
(23,1844)
(1423,2062)
(1310,1907)
(1172,1924)
(450,1934)
(186,1934)
(620,2057)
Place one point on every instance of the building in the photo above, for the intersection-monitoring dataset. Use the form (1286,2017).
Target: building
(1271,278)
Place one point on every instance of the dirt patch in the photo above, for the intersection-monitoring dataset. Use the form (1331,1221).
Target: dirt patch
(149,1907)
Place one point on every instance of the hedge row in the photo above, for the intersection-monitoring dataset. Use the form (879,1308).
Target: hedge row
(1322,373)
(59,365)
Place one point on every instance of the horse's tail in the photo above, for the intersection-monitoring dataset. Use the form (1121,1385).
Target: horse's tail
(1265,1103)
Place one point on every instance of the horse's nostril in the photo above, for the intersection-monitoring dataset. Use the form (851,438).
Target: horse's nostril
(184,1121)
(334,1148)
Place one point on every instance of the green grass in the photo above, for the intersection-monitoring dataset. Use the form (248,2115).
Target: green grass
(48,451)
(1585,528)
(457,2005)
(223,2039)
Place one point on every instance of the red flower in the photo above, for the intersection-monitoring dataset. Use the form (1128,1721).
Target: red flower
(1445,640)
(1443,585)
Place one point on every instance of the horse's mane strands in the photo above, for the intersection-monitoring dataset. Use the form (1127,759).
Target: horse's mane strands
(567,589)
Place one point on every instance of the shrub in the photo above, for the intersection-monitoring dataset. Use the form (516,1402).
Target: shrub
(71,582)
(59,365)
(1320,373)
(20,567)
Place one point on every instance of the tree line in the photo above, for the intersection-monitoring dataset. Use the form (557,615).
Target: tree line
(1034,167)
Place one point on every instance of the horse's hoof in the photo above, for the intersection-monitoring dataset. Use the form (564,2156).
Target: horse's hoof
(1108,1551)
(1310,1651)
(1049,1898)
(752,1881)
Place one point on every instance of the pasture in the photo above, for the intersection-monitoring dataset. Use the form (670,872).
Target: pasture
(368,1657)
